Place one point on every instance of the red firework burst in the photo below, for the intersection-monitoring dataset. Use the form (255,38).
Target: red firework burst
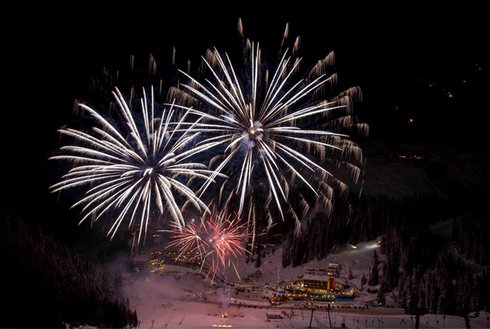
(215,241)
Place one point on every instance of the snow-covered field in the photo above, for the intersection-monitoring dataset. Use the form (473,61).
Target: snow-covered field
(179,298)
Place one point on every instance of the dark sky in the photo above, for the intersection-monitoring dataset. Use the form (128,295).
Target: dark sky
(392,53)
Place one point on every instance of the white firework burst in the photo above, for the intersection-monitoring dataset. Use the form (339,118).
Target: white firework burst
(129,166)
(273,131)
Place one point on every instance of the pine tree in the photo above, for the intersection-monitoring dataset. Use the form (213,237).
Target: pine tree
(363,280)
(380,297)
(258,260)
(374,276)
(375,258)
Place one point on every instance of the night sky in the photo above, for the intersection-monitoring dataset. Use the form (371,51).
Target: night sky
(428,64)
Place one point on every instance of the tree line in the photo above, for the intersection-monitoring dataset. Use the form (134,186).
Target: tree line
(425,269)
(45,284)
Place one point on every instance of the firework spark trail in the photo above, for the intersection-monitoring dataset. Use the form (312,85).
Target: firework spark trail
(215,241)
(126,177)
(282,129)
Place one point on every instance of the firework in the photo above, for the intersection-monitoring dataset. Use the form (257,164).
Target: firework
(130,165)
(279,133)
(215,241)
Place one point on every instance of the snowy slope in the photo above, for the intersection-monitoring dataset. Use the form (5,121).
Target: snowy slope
(180,298)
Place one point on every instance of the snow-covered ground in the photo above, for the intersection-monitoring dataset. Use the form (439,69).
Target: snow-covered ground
(179,298)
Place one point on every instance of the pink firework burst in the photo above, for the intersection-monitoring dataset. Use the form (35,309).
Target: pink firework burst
(215,241)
